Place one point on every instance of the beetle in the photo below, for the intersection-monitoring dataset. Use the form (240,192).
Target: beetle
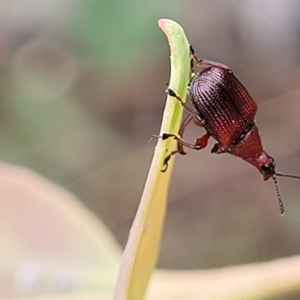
(226,110)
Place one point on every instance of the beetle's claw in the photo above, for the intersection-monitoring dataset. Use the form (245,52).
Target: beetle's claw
(192,67)
(214,149)
(155,136)
(165,166)
(192,50)
(170,92)
(165,136)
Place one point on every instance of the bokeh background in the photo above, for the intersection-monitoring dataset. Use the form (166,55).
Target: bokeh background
(82,90)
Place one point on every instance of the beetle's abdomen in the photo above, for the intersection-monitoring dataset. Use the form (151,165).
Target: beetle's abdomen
(223,102)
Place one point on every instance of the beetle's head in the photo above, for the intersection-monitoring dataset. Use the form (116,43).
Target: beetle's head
(264,163)
(266,166)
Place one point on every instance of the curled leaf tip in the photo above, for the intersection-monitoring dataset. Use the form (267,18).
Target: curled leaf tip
(164,24)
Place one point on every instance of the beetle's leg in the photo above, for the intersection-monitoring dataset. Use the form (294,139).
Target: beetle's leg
(202,140)
(166,161)
(199,144)
(183,125)
(179,150)
(219,148)
(171,93)
(204,62)
(198,123)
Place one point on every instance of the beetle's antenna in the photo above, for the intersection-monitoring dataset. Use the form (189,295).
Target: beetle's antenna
(288,175)
(281,207)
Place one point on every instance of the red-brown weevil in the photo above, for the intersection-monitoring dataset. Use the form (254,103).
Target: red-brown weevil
(225,109)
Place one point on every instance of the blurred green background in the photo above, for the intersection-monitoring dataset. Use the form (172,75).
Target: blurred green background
(82,90)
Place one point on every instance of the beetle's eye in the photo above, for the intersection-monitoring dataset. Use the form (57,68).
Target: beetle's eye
(265,169)
(270,168)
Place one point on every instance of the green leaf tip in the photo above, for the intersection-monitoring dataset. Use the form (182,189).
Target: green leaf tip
(169,27)
(180,71)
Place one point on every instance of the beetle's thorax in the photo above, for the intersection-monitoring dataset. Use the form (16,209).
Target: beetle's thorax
(248,144)
(249,148)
